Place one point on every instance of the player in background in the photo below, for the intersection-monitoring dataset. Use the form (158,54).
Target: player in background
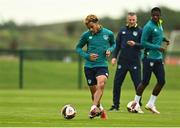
(128,52)
(153,41)
(100,44)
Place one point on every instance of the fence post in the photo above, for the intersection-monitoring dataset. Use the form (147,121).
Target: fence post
(79,72)
(21,56)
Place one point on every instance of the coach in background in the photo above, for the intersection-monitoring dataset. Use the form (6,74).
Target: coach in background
(155,44)
(129,49)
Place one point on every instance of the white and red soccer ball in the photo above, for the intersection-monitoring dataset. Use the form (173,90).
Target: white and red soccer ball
(133,107)
(68,111)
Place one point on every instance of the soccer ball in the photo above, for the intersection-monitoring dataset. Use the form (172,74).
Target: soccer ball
(133,107)
(68,111)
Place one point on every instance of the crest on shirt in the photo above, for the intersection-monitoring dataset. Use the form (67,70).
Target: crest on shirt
(119,66)
(105,37)
(135,33)
(155,30)
(107,74)
(90,37)
(89,81)
(123,32)
(151,64)
(135,67)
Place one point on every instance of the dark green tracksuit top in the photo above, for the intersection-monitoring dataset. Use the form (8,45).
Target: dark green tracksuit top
(152,38)
(96,43)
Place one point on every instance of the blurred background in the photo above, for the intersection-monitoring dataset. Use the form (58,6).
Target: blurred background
(38,38)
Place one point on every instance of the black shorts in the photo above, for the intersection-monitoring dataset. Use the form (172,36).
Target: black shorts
(155,66)
(92,73)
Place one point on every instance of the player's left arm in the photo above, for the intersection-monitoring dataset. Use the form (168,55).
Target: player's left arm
(166,40)
(82,42)
(112,43)
(145,42)
(137,44)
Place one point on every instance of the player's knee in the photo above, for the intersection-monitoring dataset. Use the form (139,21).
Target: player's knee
(161,83)
(116,84)
(145,83)
(101,85)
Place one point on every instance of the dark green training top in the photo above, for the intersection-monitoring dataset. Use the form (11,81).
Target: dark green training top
(152,38)
(97,43)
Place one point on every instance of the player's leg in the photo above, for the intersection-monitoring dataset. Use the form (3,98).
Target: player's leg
(92,90)
(92,83)
(101,80)
(160,76)
(118,80)
(99,110)
(96,108)
(91,80)
(101,77)
(147,71)
(135,73)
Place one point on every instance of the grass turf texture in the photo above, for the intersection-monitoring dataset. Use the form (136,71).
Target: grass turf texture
(48,86)
(42,108)
(59,75)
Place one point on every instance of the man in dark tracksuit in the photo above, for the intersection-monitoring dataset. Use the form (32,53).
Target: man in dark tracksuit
(128,45)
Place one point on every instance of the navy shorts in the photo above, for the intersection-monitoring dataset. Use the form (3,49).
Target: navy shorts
(92,73)
(155,66)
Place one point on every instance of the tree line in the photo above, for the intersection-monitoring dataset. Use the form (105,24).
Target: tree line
(65,35)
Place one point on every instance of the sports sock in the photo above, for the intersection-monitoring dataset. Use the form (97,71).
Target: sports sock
(137,98)
(152,100)
(101,107)
(93,106)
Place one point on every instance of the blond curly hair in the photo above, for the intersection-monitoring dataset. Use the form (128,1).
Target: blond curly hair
(91,18)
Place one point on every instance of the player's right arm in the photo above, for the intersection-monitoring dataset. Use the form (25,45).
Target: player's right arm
(146,34)
(138,44)
(82,42)
(79,48)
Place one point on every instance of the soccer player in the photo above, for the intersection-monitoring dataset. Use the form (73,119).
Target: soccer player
(153,41)
(129,48)
(100,43)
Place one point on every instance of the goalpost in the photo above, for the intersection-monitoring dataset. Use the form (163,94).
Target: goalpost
(173,51)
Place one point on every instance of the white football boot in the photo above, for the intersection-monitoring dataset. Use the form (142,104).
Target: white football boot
(94,111)
(152,109)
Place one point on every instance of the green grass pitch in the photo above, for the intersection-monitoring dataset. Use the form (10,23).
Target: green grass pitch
(41,108)
(49,85)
